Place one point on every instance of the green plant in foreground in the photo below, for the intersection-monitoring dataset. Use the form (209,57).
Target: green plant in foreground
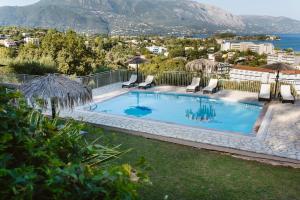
(42,158)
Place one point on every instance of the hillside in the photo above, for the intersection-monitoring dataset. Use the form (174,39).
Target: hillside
(139,17)
(268,24)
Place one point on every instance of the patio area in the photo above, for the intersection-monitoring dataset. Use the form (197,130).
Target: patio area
(277,139)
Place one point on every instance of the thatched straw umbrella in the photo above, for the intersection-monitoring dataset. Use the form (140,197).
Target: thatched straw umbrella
(203,65)
(278,67)
(59,90)
(137,60)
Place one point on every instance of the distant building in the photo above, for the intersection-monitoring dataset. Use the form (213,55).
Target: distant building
(188,48)
(157,50)
(134,42)
(219,41)
(282,57)
(25,34)
(226,46)
(35,41)
(2,37)
(9,43)
(211,57)
(201,48)
(264,48)
(230,55)
(132,66)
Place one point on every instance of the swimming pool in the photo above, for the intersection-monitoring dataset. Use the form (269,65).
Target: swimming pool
(188,110)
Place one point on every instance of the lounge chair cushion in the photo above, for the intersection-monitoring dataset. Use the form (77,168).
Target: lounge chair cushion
(148,81)
(213,83)
(265,91)
(286,94)
(195,83)
(131,81)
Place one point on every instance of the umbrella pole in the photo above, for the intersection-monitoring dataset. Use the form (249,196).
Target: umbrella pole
(53,108)
(276,84)
(137,73)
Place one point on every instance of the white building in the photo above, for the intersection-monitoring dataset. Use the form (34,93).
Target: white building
(201,48)
(188,48)
(219,41)
(281,57)
(134,42)
(157,50)
(35,41)
(25,34)
(264,48)
(211,57)
(226,46)
(132,66)
(9,43)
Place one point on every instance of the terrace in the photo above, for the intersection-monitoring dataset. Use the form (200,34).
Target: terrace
(276,132)
(276,139)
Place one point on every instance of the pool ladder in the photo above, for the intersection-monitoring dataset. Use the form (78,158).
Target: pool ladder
(93,107)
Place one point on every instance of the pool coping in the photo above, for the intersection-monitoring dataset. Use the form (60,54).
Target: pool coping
(260,157)
(184,140)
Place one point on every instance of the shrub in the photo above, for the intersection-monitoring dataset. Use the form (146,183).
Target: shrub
(42,158)
(33,67)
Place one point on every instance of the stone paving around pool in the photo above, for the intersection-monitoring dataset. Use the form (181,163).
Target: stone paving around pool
(279,134)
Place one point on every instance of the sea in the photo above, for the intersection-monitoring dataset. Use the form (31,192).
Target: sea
(287,41)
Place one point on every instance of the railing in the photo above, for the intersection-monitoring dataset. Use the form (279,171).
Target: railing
(176,78)
(16,79)
(173,78)
(93,81)
(104,78)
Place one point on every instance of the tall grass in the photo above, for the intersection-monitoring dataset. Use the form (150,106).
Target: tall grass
(33,67)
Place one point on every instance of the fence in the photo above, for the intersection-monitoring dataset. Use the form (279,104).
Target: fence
(267,77)
(174,78)
(185,78)
(16,78)
(104,78)
(93,81)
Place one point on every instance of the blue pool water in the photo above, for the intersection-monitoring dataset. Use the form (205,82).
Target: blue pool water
(186,110)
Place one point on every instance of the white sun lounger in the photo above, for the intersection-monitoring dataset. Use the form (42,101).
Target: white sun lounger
(265,92)
(194,85)
(286,94)
(212,86)
(131,81)
(148,82)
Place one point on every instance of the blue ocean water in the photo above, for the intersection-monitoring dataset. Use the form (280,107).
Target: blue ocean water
(288,41)
(186,110)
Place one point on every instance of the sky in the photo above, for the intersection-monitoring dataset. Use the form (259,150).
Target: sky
(287,8)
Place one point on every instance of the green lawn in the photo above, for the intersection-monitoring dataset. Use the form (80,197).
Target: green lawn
(184,173)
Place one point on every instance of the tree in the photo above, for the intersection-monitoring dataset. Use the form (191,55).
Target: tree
(192,54)
(177,52)
(30,52)
(6,53)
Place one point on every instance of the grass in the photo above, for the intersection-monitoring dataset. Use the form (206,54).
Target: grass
(185,173)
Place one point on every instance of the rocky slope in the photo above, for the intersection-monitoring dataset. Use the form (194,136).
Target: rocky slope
(139,17)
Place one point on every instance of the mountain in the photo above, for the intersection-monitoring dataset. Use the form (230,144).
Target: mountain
(268,24)
(139,17)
